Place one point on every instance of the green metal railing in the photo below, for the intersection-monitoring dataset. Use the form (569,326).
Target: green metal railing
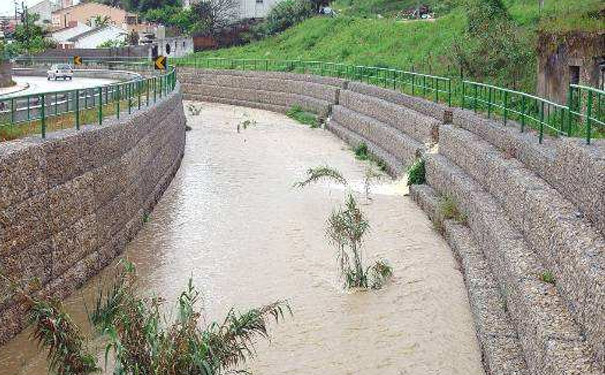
(40,113)
(438,89)
(583,116)
(587,110)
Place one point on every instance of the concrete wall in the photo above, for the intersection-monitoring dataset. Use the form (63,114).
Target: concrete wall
(70,203)
(6,73)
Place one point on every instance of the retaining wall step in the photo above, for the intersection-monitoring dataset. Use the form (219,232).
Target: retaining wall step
(312,89)
(502,352)
(241,103)
(426,107)
(393,141)
(422,128)
(566,242)
(552,342)
(320,107)
(394,165)
(324,80)
(573,168)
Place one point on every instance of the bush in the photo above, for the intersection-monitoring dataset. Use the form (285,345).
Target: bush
(287,14)
(416,173)
(298,114)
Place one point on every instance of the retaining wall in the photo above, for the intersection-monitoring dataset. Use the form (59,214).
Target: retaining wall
(395,127)
(70,203)
(529,236)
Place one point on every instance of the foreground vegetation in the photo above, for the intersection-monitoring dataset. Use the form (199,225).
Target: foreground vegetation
(497,46)
(145,341)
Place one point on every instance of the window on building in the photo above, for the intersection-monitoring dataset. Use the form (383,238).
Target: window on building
(167,49)
(259,1)
(574,74)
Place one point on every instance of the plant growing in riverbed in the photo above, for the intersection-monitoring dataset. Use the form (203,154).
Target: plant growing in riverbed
(298,114)
(194,110)
(548,277)
(346,228)
(322,173)
(145,341)
(245,124)
(361,151)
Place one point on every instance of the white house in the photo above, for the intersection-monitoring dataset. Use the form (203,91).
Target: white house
(97,36)
(256,8)
(63,35)
(247,8)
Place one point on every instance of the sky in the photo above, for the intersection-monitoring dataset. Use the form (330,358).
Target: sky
(7,7)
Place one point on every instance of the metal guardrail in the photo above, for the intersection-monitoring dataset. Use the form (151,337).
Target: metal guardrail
(583,116)
(427,86)
(587,108)
(48,111)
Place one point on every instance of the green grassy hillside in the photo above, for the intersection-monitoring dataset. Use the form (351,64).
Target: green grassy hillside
(359,36)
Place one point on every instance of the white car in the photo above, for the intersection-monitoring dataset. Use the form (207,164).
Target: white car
(57,71)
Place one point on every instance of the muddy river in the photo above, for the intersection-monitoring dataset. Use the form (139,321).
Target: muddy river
(232,221)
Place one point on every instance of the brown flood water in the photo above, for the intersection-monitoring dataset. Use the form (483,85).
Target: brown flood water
(232,221)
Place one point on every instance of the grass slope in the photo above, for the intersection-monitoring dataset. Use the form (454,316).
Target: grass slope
(358,36)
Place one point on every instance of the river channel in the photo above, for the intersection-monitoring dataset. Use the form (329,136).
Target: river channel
(232,222)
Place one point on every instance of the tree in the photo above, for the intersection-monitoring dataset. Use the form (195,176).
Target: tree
(99,21)
(29,37)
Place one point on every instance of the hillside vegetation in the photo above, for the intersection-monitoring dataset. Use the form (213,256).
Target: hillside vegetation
(504,48)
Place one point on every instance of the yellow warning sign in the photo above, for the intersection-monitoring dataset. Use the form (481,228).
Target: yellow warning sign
(160,62)
(77,60)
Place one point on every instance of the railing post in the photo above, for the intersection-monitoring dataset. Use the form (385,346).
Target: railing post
(522,113)
(449,92)
(505,107)
(588,114)
(119,94)
(12,111)
(100,105)
(436,89)
(155,89)
(489,102)
(129,96)
(541,135)
(569,100)
(43,115)
(463,94)
(77,109)
(475,98)
(146,83)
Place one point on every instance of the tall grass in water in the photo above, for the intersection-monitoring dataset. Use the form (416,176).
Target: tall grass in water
(143,340)
(346,228)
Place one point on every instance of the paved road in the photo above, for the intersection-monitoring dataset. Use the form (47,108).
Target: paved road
(41,84)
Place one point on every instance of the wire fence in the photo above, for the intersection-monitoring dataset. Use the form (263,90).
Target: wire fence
(41,113)
(583,115)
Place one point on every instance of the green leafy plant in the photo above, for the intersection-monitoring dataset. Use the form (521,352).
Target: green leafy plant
(145,341)
(194,110)
(322,173)
(370,176)
(246,123)
(287,14)
(416,173)
(548,277)
(361,151)
(448,209)
(298,114)
(346,229)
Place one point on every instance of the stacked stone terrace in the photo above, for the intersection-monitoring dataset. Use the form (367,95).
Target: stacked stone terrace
(71,202)
(527,209)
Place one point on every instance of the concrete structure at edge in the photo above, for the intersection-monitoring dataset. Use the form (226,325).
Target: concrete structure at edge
(576,58)
(72,201)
